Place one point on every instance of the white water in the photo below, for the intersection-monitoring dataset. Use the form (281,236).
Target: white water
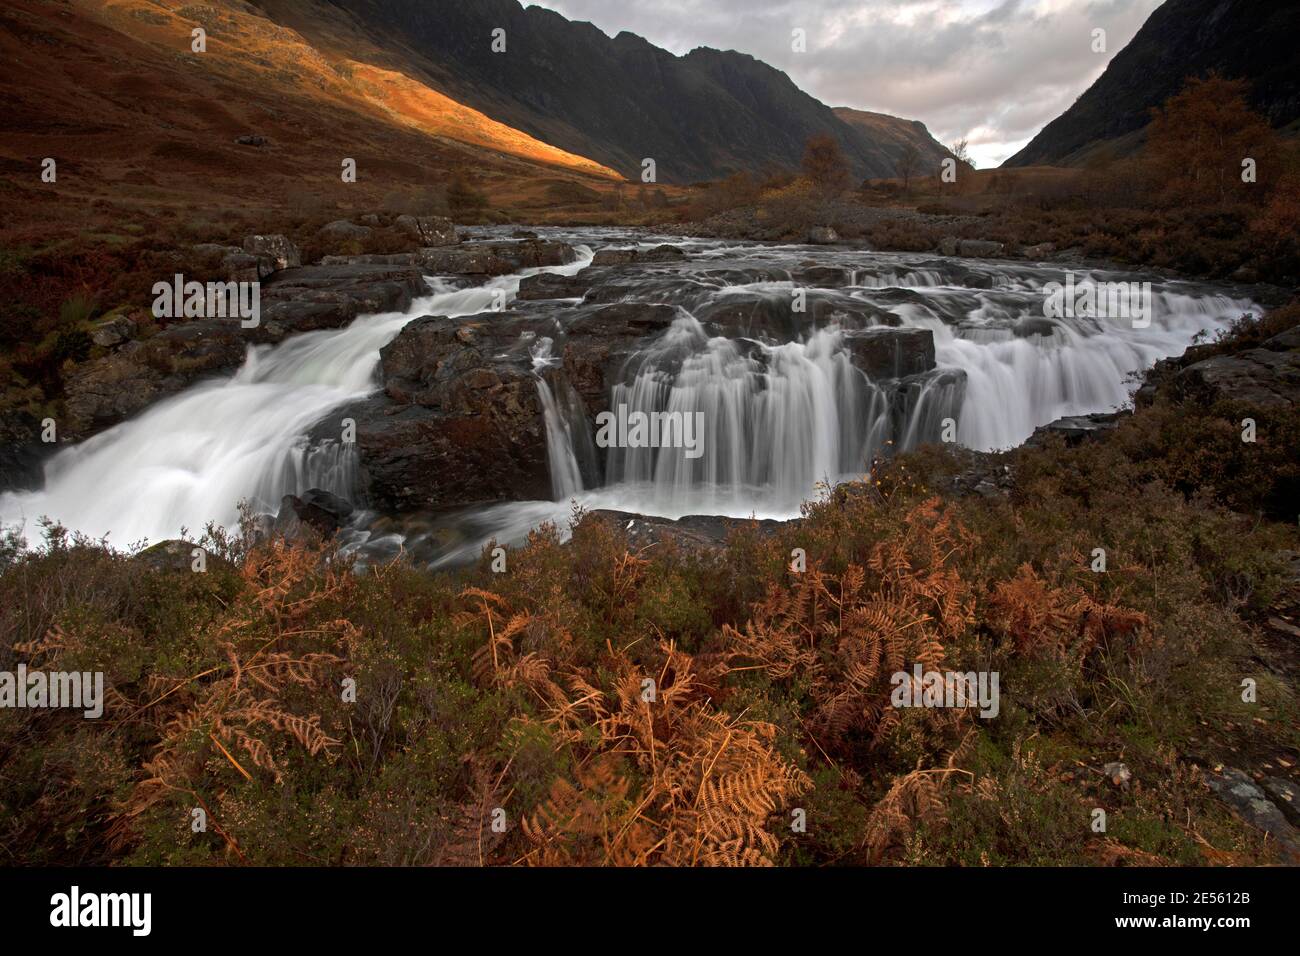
(779,416)
(193,458)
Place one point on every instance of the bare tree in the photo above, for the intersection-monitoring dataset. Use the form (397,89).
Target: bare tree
(908,163)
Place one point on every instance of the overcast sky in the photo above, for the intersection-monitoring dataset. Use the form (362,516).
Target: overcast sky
(993,71)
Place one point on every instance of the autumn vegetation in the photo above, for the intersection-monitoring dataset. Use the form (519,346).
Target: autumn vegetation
(1179,202)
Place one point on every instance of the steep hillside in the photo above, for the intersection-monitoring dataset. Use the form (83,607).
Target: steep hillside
(895,134)
(1253,40)
(113,91)
(619,100)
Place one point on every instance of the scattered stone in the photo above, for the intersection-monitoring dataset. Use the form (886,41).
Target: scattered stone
(1118,774)
(251,140)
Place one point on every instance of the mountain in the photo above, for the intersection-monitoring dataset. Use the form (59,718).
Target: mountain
(618,100)
(1254,40)
(897,134)
(113,90)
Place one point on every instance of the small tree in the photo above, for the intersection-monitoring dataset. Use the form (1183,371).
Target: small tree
(909,161)
(961,152)
(825,165)
(1199,138)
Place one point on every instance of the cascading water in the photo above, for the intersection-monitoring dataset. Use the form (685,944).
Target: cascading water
(781,401)
(192,459)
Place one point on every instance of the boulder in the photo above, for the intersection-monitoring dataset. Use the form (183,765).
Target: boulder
(1261,376)
(428,230)
(1076,428)
(614,257)
(246,267)
(973,248)
(112,331)
(822,236)
(282,253)
(551,285)
(251,139)
(319,509)
(1044,250)
(885,353)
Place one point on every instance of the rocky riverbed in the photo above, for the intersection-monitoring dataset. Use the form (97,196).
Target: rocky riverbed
(451,394)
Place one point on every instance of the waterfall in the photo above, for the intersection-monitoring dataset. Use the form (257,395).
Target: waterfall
(780,402)
(192,458)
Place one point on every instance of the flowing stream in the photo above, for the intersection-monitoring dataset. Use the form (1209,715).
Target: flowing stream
(780,408)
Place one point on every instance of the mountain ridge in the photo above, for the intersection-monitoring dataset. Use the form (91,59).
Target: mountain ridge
(618,100)
(1241,39)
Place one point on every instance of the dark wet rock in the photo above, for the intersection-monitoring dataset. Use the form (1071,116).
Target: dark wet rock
(891,353)
(428,230)
(622,257)
(415,457)
(1077,428)
(524,234)
(330,296)
(283,253)
(1033,325)
(972,248)
(662,253)
(976,280)
(549,285)
(614,257)
(1261,376)
(107,390)
(599,341)
(695,535)
(22,453)
(823,277)
(251,139)
(343,229)
(773,315)
(318,509)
